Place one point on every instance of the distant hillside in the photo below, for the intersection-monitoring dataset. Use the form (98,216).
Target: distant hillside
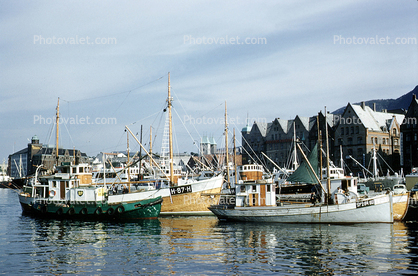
(390,104)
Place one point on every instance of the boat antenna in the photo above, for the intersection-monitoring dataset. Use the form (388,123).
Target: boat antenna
(226,148)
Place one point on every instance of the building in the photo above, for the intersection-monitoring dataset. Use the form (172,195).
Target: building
(24,162)
(254,142)
(360,129)
(409,131)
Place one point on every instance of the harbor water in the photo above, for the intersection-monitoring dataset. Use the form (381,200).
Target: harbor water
(199,246)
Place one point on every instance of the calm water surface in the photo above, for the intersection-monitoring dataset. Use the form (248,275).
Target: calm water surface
(199,246)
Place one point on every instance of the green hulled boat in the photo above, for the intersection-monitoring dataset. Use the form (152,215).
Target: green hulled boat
(70,194)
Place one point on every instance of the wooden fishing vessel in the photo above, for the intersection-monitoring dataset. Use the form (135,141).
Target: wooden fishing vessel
(70,194)
(181,196)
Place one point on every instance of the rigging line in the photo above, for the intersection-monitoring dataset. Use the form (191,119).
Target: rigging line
(245,140)
(200,137)
(185,127)
(71,138)
(143,119)
(114,93)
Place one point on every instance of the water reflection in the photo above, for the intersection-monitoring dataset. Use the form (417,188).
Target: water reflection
(200,246)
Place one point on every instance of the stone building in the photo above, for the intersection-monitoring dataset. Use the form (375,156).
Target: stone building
(360,129)
(24,162)
(409,130)
(254,142)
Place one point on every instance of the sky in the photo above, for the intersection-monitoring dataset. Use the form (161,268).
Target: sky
(108,63)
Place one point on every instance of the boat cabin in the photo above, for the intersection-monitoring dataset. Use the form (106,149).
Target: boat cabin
(250,172)
(255,193)
(69,183)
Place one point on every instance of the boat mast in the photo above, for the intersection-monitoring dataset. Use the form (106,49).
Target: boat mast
(326,140)
(150,147)
(170,132)
(128,165)
(226,148)
(235,161)
(295,162)
(57,128)
(320,147)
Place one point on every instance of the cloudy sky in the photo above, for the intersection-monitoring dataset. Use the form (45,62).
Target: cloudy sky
(108,62)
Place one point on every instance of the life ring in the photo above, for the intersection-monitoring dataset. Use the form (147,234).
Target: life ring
(71,211)
(52,193)
(98,211)
(110,211)
(83,211)
(120,209)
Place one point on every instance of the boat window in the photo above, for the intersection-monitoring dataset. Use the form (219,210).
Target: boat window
(254,188)
(67,184)
(268,188)
(242,189)
(54,184)
(74,170)
(81,169)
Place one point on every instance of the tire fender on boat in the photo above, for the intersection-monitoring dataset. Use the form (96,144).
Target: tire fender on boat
(71,211)
(83,211)
(98,211)
(59,211)
(110,211)
(120,209)
(52,193)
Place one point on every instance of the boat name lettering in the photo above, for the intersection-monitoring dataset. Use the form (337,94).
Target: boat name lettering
(181,190)
(365,203)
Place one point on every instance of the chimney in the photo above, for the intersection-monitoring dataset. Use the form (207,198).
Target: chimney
(363,105)
(374,107)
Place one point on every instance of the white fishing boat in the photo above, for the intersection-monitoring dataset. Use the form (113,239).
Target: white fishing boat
(337,203)
(256,201)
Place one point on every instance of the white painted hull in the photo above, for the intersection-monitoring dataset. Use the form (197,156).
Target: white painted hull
(182,200)
(379,212)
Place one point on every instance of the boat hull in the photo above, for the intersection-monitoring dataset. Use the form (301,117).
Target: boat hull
(400,206)
(374,210)
(191,199)
(141,209)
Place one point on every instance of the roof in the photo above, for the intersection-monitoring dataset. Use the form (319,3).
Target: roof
(374,120)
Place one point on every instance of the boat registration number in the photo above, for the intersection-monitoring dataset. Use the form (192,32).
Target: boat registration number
(365,203)
(181,190)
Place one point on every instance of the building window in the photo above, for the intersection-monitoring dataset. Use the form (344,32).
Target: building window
(359,140)
(394,132)
(352,130)
(350,140)
(357,130)
(375,140)
(342,131)
(346,130)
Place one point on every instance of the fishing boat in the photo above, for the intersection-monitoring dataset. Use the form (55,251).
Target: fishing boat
(70,194)
(181,196)
(336,203)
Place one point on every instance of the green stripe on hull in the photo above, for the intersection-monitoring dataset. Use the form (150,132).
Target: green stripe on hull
(144,209)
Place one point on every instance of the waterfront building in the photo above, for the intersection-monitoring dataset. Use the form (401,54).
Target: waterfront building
(24,162)
(360,129)
(409,131)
